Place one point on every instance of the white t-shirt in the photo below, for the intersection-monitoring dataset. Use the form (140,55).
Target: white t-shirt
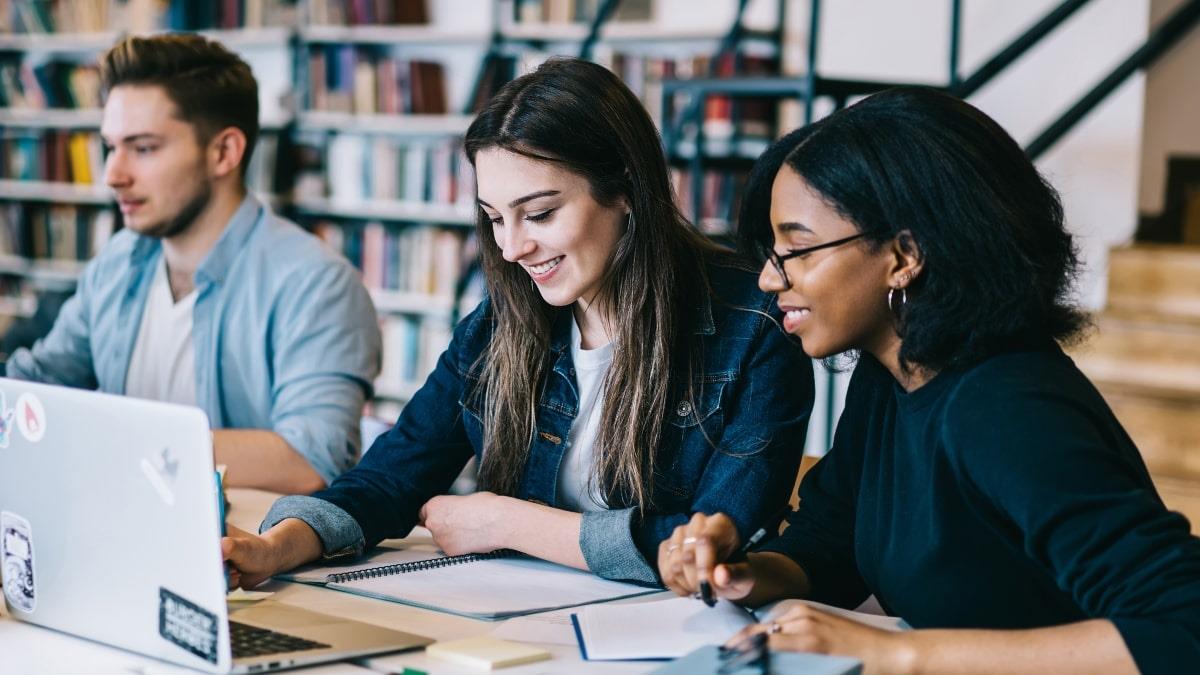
(163,364)
(576,489)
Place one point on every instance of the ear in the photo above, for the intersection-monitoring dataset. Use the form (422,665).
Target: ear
(226,150)
(907,260)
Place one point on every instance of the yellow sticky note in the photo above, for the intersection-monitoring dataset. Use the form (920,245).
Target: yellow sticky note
(486,653)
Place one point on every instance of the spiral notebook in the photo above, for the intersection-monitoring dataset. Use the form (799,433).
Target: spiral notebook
(489,586)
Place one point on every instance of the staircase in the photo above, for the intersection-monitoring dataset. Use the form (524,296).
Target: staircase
(1145,359)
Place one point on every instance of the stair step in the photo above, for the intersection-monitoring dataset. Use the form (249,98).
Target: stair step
(1155,280)
(1166,431)
(1150,358)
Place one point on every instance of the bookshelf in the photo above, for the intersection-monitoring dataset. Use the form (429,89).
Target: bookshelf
(55,212)
(364,109)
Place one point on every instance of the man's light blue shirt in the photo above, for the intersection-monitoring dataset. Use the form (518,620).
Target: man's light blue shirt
(286,337)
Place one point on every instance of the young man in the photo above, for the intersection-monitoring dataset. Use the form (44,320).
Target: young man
(206,297)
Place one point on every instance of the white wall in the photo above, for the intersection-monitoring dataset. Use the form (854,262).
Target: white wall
(1172,111)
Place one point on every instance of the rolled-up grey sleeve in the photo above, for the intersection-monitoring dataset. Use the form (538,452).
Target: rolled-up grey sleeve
(606,538)
(339,533)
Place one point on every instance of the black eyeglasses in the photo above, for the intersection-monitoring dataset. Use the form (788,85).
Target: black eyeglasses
(768,251)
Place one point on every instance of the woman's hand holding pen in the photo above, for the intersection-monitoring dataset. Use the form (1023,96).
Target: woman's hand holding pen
(701,551)
(802,628)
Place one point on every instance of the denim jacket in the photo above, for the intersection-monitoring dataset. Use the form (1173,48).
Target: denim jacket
(735,449)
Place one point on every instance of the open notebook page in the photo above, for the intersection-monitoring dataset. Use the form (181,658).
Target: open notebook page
(495,588)
(662,629)
(666,629)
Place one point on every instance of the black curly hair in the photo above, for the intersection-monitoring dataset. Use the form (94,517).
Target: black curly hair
(999,264)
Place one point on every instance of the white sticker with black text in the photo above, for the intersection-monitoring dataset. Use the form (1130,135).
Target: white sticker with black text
(187,625)
(16,561)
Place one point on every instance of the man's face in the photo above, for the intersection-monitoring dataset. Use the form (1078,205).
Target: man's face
(156,165)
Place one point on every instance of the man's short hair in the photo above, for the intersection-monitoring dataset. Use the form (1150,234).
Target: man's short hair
(212,87)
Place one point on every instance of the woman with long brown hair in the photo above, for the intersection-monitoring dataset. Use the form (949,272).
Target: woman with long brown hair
(617,377)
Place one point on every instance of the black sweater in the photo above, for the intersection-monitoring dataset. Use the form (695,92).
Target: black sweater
(1004,495)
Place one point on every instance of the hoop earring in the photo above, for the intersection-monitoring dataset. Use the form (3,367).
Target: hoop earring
(903,300)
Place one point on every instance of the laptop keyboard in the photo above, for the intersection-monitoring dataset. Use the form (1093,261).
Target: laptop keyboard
(250,641)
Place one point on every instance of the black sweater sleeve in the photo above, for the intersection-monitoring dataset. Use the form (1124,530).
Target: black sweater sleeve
(1046,454)
(820,533)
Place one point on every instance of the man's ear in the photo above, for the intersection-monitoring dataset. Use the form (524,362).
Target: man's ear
(226,150)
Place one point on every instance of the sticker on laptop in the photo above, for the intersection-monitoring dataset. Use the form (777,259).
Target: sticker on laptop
(187,625)
(31,417)
(16,561)
(6,421)
(161,472)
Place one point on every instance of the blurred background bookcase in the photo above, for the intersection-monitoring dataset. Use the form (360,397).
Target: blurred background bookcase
(364,104)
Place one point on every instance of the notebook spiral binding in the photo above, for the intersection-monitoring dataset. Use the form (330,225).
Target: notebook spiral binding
(404,568)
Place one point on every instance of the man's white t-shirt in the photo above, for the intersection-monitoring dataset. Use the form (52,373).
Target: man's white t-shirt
(163,364)
(576,489)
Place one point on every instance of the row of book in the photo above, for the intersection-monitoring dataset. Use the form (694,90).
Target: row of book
(351,168)
(719,203)
(228,14)
(98,16)
(367,12)
(577,11)
(52,232)
(349,78)
(16,298)
(411,347)
(61,156)
(59,16)
(743,126)
(55,84)
(422,260)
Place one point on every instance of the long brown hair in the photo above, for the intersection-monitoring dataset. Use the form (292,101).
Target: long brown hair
(582,117)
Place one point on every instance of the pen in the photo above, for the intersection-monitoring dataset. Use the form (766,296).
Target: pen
(706,592)
(221,515)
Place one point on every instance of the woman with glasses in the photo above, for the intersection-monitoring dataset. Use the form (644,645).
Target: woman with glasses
(619,376)
(978,485)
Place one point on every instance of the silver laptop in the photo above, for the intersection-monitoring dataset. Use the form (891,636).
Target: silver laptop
(109,530)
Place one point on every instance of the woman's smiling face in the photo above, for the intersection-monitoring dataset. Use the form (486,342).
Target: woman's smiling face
(545,219)
(836,298)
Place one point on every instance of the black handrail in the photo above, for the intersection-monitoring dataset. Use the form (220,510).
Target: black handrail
(810,68)
(1163,38)
(603,13)
(1017,48)
(955,38)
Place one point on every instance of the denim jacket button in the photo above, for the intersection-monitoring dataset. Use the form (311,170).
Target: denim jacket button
(684,408)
